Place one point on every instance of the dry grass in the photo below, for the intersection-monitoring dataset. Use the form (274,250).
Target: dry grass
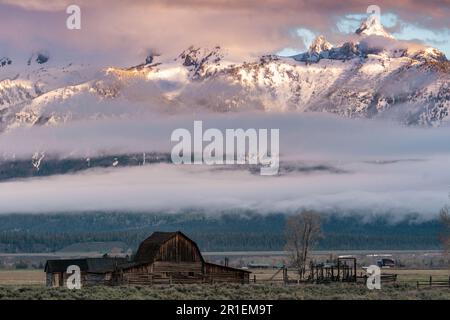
(419,275)
(22,277)
(37,277)
(335,291)
(29,284)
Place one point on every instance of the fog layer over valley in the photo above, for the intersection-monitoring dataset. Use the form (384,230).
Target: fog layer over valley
(327,163)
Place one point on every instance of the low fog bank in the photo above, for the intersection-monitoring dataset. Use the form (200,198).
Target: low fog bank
(396,189)
(376,167)
(309,136)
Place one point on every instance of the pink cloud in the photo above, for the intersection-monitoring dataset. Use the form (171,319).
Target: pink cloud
(244,27)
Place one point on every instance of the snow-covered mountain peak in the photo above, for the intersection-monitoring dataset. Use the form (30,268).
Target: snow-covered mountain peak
(320,44)
(201,62)
(321,49)
(373,27)
(429,54)
(373,40)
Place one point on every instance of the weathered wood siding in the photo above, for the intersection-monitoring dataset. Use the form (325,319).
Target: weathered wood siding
(48,279)
(92,279)
(218,273)
(179,249)
(163,272)
(177,267)
(59,279)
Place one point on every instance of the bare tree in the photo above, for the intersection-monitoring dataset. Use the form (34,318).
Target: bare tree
(444,217)
(303,230)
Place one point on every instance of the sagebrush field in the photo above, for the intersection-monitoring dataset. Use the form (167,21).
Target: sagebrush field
(337,291)
(30,285)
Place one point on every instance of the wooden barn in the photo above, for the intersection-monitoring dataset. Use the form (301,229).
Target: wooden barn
(164,257)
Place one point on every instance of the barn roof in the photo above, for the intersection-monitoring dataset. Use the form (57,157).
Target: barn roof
(149,248)
(226,267)
(91,265)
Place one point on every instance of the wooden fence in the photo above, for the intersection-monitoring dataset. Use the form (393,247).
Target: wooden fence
(281,275)
(434,283)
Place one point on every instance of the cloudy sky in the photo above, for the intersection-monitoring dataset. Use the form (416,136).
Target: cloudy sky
(122,32)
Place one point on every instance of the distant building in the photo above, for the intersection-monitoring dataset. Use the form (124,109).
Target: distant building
(164,257)
(386,263)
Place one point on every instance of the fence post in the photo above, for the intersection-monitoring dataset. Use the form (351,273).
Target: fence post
(254,278)
(431,280)
(286,279)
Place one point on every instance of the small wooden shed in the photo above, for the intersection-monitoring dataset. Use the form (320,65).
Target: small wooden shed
(93,270)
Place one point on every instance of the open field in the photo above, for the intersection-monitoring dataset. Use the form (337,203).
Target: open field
(37,277)
(22,277)
(405,275)
(408,276)
(29,284)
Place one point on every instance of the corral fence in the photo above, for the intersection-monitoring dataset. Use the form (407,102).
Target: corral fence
(385,278)
(322,276)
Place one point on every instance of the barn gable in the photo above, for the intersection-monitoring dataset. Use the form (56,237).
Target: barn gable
(168,246)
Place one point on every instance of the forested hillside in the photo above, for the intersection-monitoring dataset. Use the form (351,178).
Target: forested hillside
(230,231)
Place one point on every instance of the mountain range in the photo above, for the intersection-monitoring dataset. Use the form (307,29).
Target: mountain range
(370,76)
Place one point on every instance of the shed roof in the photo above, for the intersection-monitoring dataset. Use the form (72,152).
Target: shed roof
(91,265)
(227,267)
